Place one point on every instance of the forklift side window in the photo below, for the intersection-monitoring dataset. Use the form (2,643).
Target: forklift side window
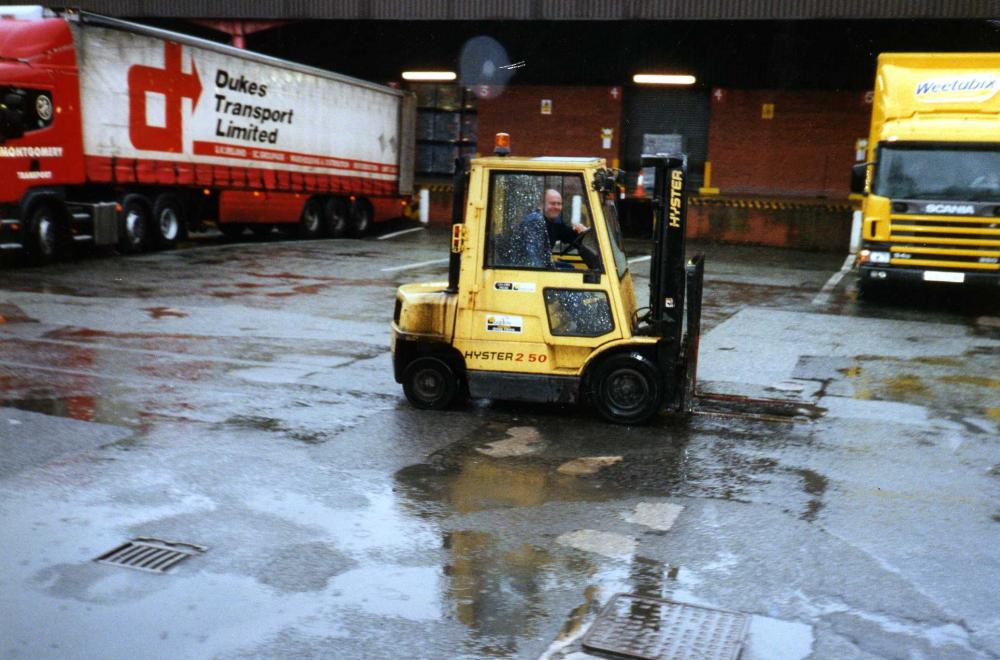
(578,312)
(519,233)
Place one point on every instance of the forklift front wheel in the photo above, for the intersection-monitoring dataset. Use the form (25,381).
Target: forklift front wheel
(627,389)
(430,384)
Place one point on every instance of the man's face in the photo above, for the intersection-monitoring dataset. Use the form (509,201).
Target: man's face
(553,205)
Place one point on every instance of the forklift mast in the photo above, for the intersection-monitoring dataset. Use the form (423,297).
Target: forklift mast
(666,275)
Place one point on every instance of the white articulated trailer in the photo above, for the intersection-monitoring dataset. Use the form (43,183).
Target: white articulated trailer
(123,134)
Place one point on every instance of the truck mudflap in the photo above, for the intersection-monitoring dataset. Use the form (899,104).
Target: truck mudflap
(694,276)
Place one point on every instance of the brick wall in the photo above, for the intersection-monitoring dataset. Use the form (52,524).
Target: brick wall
(806,149)
(573,129)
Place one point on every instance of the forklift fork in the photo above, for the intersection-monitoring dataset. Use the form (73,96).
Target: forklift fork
(695,276)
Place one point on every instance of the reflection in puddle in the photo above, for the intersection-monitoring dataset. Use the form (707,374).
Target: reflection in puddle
(82,408)
(497,592)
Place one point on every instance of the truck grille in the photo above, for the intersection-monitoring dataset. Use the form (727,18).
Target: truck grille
(966,243)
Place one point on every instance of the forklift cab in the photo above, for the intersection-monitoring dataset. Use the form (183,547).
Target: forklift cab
(540,304)
(529,304)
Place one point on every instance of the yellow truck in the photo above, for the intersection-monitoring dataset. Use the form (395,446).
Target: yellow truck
(525,317)
(931,211)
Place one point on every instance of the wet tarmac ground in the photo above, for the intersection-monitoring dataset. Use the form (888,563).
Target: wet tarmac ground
(240,397)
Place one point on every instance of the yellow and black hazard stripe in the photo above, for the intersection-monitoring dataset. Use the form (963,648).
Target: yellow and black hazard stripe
(768,204)
(434,187)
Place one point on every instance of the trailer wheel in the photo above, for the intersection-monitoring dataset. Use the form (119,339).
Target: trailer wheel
(627,389)
(167,214)
(335,215)
(134,227)
(43,235)
(430,384)
(360,216)
(311,220)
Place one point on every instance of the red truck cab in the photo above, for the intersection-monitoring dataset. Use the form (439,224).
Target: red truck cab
(41,148)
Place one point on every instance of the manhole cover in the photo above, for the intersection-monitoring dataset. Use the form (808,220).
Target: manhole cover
(153,555)
(640,627)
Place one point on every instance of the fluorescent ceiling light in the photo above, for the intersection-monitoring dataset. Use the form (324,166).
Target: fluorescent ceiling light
(662,79)
(429,75)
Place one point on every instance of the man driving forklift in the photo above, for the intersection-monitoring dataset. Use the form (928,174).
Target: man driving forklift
(538,233)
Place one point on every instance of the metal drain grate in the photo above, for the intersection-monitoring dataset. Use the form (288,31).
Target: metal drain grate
(152,555)
(640,627)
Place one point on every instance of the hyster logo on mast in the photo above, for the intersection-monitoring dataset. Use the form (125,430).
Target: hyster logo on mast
(172,85)
(976,87)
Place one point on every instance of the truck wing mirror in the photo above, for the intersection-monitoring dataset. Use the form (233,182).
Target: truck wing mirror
(858,174)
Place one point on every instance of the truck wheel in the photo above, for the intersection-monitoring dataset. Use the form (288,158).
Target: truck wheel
(311,220)
(335,216)
(43,235)
(134,224)
(360,217)
(430,384)
(627,389)
(167,214)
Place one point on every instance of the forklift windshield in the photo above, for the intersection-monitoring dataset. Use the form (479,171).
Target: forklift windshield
(540,221)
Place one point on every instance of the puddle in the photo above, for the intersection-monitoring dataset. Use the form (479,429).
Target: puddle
(14,314)
(496,591)
(945,384)
(165,312)
(271,425)
(82,408)
(813,484)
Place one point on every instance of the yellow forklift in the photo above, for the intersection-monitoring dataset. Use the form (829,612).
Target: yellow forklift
(563,326)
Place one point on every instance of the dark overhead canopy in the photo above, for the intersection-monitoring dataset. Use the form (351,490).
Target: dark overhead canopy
(555,10)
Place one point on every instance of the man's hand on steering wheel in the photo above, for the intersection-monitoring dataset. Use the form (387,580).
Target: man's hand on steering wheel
(575,243)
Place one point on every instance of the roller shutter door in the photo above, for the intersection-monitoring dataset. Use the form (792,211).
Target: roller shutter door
(667,111)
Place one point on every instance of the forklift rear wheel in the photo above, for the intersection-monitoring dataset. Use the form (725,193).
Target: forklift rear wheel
(627,389)
(430,384)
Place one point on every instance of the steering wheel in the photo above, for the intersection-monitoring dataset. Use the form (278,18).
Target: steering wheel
(589,256)
(575,244)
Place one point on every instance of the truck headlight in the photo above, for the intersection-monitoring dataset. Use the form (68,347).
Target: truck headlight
(879,257)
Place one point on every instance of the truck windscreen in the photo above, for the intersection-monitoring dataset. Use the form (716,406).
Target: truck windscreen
(958,173)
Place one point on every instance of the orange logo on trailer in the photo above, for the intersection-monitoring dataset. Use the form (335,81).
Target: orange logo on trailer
(172,85)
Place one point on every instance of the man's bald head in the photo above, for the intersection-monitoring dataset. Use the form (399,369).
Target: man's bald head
(552,207)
